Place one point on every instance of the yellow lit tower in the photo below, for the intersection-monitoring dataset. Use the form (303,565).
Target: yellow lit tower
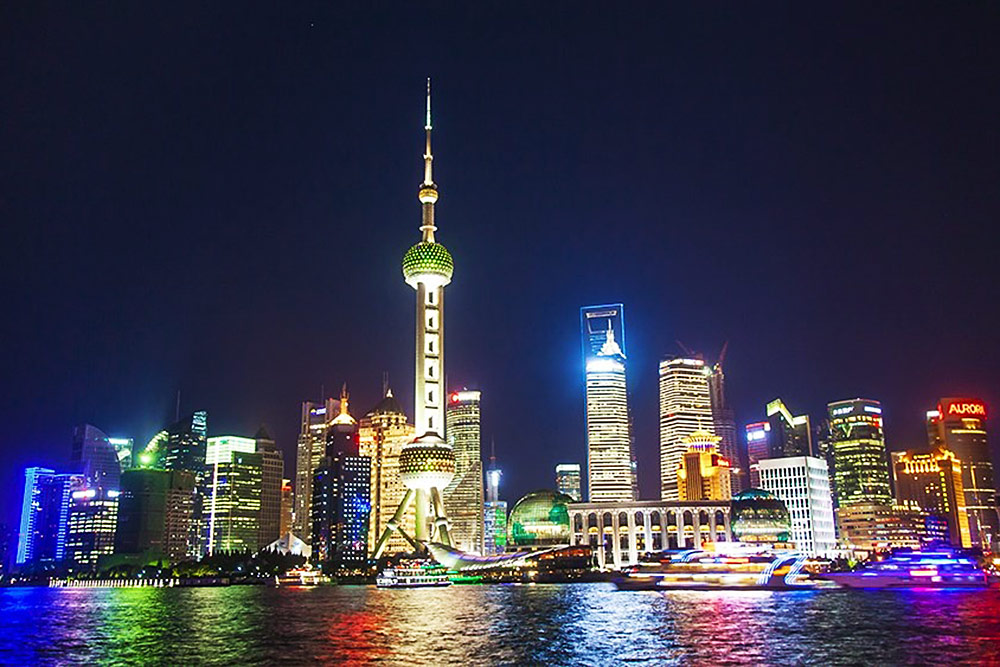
(427,464)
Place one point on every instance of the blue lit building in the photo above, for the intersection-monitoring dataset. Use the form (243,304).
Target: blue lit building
(341,500)
(45,515)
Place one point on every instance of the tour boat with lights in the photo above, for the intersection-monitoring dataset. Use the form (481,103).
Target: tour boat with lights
(746,568)
(916,569)
(415,574)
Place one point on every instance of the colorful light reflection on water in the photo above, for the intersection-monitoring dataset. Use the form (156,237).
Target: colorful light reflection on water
(547,624)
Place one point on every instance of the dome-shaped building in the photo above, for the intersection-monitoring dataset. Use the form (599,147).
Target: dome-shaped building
(758,517)
(539,519)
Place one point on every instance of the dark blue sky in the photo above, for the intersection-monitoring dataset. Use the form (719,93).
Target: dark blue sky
(216,199)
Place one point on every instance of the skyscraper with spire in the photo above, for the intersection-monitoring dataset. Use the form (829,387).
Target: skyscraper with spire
(427,464)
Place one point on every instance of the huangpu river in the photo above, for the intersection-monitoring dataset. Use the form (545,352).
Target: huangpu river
(564,624)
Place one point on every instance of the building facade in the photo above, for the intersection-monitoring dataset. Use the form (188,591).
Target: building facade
(45,509)
(931,482)
(959,425)
(463,497)
(342,498)
(382,434)
(703,473)
(231,513)
(155,513)
(803,484)
(621,532)
(858,452)
(685,407)
(310,448)
(724,422)
(568,480)
(609,443)
(272,474)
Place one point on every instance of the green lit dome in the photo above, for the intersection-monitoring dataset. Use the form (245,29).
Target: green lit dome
(757,516)
(427,259)
(540,519)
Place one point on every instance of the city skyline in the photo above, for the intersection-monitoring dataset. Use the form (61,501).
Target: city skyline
(123,378)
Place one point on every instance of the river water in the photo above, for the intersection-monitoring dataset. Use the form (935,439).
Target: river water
(565,624)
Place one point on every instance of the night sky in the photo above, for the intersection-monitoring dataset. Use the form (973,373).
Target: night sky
(216,199)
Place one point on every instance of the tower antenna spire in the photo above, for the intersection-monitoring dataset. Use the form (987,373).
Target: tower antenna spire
(428,157)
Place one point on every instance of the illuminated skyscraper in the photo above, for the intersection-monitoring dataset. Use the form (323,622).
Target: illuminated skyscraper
(803,484)
(724,420)
(703,473)
(316,420)
(609,443)
(609,421)
(95,457)
(181,446)
(287,507)
(959,425)
(463,497)
(383,433)
(568,480)
(341,498)
(231,514)
(931,482)
(426,465)
(44,515)
(495,510)
(781,436)
(272,472)
(685,407)
(758,448)
(155,513)
(93,507)
(123,448)
(857,449)
(93,519)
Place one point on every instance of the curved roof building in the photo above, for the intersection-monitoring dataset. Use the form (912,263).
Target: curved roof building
(757,516)
(540,519)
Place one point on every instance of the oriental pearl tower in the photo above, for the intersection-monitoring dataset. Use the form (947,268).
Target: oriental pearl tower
(427,464)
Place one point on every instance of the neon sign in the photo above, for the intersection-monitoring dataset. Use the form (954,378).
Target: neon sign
(966,409)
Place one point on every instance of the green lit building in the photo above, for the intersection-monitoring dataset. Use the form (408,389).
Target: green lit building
(231,509)
(856,450)
(540,519)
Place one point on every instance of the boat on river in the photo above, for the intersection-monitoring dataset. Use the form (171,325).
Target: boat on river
(695,569)
(944,568)
(413,574)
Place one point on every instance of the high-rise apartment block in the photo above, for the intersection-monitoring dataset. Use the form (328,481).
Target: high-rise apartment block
(803,484)
(959,425)
(463,497)
(568,480)
(685,407)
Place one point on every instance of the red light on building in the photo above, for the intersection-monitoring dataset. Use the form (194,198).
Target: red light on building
(454,397)
(959,408)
